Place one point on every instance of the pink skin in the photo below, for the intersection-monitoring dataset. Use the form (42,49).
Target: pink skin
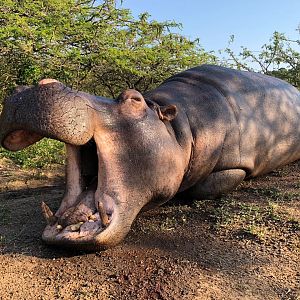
(47,80)
(73,179)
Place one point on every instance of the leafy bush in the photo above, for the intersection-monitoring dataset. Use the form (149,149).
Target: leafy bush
(40,155)
(95,46)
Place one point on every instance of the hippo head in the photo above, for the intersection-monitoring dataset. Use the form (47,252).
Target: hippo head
(121,157)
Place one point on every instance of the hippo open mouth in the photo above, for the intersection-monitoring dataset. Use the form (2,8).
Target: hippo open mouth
(80,218)
(94,212)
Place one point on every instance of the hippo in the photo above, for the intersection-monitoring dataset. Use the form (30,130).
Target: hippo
(199,134)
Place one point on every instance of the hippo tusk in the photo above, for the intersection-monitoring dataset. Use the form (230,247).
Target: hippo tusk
(103,215)
(48,214)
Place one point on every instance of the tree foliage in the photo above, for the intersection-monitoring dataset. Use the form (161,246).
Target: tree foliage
(278,58)
(99,48)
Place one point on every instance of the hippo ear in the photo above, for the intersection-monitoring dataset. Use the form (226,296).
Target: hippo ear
(167,113)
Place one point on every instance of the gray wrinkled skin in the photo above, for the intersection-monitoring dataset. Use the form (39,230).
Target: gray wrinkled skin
(199,134)
(53,111)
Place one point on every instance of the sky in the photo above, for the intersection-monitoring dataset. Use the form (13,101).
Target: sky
(252,22)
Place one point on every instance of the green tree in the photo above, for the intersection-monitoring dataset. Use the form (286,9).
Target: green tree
(99,48)
(94,46)
(278,58)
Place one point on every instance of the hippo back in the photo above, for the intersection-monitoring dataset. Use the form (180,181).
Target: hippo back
(261,115)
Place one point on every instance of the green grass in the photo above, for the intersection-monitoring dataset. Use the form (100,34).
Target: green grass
(232,211)
(254,220)
(2,240)
(4,215)
(42,154)
(170,223)
(275,194)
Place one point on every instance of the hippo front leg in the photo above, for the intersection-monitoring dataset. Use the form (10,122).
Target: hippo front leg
(217,183)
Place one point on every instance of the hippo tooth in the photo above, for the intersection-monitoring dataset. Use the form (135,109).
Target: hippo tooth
(75,227)
(48,214)
(92,218)
(59,227)
(103,216)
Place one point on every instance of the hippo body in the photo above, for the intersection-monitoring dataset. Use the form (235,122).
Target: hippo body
(242,124)
(200,133)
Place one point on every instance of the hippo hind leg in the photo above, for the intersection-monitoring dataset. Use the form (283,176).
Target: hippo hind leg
(217,184)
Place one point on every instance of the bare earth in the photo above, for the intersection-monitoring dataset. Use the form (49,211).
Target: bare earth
(244,246)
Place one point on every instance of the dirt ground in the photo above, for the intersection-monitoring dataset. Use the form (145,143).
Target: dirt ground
(243,246)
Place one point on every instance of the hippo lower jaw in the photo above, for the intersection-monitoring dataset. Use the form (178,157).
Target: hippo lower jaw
(88,217)
(88,235)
